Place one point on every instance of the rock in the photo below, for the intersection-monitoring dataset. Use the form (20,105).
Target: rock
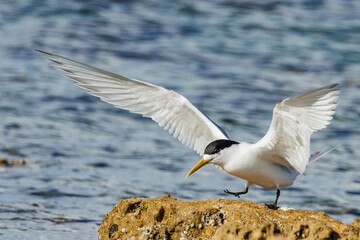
(5,162)
(356,223)
(17,162)
(168,218)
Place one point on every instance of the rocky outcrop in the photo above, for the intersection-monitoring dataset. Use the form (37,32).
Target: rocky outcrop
(168,218)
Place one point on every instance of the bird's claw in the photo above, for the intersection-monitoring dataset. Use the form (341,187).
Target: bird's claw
(232,193)
(272,206)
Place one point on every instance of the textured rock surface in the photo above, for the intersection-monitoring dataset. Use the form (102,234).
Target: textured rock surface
(168,218)
(356,223)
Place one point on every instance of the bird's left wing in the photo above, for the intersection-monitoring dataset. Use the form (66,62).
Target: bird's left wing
(287,141)
(170,110)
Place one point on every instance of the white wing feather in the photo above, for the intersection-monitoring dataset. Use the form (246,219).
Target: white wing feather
(287,141)
(170,110)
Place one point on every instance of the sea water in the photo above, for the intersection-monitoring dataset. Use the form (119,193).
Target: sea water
(232,59)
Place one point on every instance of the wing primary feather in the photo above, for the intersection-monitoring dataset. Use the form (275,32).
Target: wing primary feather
(317,90)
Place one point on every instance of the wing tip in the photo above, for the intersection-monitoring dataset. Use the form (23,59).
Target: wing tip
(43,52)
(332,85)
(322,90)
(39,50)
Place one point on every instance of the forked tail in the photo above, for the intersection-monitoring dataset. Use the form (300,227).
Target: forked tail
(316,156)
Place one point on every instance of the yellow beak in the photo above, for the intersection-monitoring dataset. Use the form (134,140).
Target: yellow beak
(200,164)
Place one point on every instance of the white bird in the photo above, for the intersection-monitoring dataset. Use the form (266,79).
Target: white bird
(273,162)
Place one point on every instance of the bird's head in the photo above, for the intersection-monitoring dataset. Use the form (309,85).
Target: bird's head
(214,154)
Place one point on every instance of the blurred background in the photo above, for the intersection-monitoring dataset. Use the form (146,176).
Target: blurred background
(232,59)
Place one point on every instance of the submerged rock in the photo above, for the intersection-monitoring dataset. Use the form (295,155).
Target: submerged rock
(168,218)
(5,162)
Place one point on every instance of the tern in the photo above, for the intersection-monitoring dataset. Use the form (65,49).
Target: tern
(273,162)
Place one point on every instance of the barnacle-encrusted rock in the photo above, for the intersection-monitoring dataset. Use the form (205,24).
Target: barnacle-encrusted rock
(168,218)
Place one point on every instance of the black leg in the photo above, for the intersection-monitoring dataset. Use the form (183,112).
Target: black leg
(237,194)
(274,206)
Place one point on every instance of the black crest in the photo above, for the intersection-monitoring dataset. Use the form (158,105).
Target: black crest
(218,145)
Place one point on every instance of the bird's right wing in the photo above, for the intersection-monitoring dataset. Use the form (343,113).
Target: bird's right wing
(169,109)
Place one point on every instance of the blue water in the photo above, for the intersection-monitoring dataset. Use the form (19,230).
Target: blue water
(232,59)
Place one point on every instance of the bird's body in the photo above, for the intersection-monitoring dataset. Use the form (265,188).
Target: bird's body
(273,162)
(243,160)
(246,162)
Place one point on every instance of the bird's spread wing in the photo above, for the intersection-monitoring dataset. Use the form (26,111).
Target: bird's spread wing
(287,141)
(170,110)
